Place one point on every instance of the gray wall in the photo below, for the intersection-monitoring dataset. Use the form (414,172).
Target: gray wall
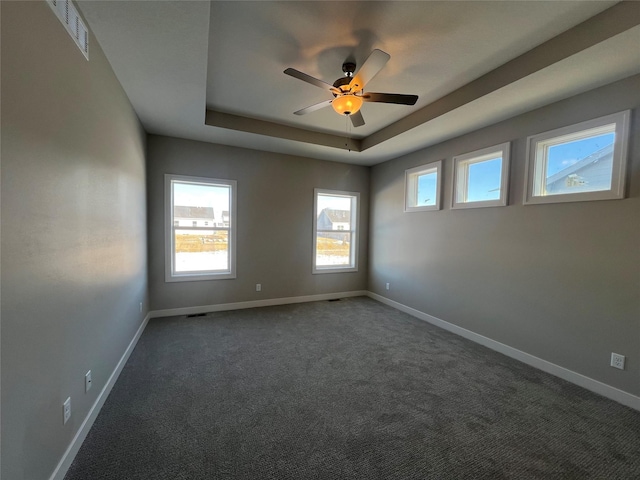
(558,281)
(73,233)
(275,205)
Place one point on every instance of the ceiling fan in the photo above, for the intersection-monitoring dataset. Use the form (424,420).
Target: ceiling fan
(348,90)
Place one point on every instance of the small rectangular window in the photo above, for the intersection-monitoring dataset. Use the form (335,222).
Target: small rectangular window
(196,251)
(422,187)
(335,230)
(581,162)
(481,178)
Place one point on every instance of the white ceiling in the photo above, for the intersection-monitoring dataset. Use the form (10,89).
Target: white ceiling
(471,63)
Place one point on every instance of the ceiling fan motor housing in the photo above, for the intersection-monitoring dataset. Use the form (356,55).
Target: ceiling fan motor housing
(340,83)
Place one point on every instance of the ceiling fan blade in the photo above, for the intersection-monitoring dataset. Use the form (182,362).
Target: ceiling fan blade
(357,119)
(371,66)
(398,98)
(312,80)
(313,108)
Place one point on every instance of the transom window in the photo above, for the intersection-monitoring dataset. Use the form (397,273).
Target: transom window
(335,230)
(422,187)
(480,178)
(200,219)
(586,161)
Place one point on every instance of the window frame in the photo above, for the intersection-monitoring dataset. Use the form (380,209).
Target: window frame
(170,274)
(411,183)
(355,227)
(536,167)
(461,174)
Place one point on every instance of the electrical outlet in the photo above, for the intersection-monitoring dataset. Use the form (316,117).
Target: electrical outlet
(617,361)
(87,381)
(258,287)
(66,410)
(387,286)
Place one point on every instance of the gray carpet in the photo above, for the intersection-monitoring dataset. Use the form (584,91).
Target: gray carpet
(344,390)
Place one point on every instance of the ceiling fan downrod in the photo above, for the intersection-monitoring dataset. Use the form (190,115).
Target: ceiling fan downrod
(348,68)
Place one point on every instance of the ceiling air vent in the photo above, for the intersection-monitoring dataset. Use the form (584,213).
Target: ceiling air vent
(68,15)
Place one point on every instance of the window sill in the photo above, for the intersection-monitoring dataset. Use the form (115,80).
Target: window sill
(196,277)
(334,270)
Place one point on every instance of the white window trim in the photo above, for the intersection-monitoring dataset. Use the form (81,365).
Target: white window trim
(410,185)
(460,175)
(355,216)
(170,275)
(618,174)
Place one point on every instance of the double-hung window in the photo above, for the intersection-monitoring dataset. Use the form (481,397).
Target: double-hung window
(200,228)
(335,229)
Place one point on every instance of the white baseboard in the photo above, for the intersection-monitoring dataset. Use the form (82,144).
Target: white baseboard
(603,389)
(221,307)
(76,443)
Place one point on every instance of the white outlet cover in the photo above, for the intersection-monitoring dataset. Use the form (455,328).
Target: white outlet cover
(617,360)
(66,410)
(87,381)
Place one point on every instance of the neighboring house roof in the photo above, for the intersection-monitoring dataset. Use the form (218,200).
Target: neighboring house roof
(337,216)
(193,212)
(601,154)
(225,214)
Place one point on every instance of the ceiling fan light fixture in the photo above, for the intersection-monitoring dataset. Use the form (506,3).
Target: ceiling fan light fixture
(347,104)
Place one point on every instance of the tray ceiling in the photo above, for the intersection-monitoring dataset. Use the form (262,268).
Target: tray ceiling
(213,71)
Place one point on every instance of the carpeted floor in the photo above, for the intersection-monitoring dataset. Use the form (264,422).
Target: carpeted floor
(351,389)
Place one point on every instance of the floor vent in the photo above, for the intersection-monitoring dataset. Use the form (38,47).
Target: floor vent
(334,300)
(68,15)
(196,315)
